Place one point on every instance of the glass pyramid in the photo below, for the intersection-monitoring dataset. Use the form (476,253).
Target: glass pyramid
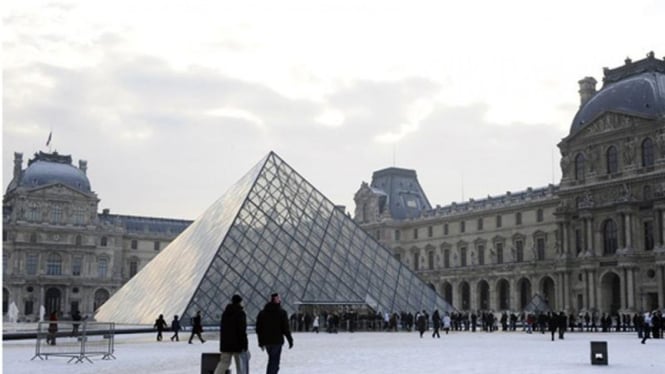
(271,232)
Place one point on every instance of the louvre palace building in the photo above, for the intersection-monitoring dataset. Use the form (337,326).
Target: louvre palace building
(58,251)
(594,242)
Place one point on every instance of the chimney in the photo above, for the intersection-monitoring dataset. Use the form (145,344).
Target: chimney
(587,89)
(18,164)
(83,165)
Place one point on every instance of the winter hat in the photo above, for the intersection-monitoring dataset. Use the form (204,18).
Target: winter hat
(236,299)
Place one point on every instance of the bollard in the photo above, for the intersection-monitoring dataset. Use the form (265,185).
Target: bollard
(598,353)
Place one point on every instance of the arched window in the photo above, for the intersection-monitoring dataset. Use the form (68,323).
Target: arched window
(53,264)
(610,242)
(430,260)
(101,296)
(104,241)
(579,167)
(612,159)
(647,152)
(133,268)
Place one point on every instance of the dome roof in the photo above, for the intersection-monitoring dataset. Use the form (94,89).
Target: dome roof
(47,169)
(637,88)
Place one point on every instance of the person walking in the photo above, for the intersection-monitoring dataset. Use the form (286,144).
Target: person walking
(315,324)
(197,328)
(175,327)
(648,324)
(52,328)
(76,322)
(436,323)
(446,323)
(421,323)
(272,325)
(160,325)
(233,338)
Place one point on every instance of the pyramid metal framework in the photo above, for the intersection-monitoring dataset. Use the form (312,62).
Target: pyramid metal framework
(271,232)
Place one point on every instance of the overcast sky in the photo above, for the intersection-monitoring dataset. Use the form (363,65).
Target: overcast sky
(171,102)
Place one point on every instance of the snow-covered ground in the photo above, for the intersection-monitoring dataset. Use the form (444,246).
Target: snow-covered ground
(402,352)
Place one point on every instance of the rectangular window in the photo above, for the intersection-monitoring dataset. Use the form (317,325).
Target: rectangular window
(462,256)
(4,235)
(649,242)
(540,248)
(135,244)
(462,226)
(397,235)
(5,263)
(415,233)
(539,215)
(377,234)
(430,232)
(398,257)
(518,218)
(578,241)
(430,260)
(498,221)
(480,224)
(102,267)
(31,261)
(481,255)
(156,245)
(79,217)
(519,251)
(446,258)
(56,214)
(499,253)
(76,266)
(445,229)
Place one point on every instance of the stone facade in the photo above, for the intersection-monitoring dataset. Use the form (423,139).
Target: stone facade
(595,242)
(58,252)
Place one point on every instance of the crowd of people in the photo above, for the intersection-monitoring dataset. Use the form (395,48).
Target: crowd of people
(349,319)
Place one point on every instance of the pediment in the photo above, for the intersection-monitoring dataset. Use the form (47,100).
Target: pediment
(59,189)
(605,123)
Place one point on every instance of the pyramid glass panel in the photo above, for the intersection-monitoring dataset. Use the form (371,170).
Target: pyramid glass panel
(271,232)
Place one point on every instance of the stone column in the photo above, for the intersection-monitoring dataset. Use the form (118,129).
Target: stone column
(457,295)
(630,272)
(662,228)
(514,302)
(566,291)
(623,287)
(493,305)
(629,232)
(659,283)
(592,289)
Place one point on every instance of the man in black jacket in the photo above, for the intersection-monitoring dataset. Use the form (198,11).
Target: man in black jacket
(233,338)
(272,325)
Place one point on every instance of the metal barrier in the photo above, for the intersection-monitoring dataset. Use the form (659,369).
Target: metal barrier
(77,340)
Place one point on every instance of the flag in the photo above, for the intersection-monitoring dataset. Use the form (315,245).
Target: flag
(48,141)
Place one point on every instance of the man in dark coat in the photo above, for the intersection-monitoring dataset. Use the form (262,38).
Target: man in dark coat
(233,338)
(272,325)
(197,328)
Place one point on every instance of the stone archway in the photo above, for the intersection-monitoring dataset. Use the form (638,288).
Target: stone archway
(610,293)
(447,292)
(465,293)
(524,290)
(53,300)
(483,292)
(503,294)
(5,301)
(101,295)
(548,291)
